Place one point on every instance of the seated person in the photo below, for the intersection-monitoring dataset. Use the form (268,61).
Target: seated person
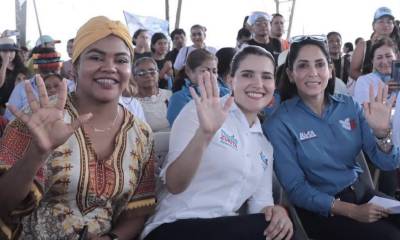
(317,136)
(219,158)
(198,62)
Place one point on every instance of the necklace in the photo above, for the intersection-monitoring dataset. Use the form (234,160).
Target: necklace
(99,130)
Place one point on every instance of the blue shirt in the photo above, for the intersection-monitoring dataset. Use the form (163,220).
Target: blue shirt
(19,99)
(180,98)
(315,157)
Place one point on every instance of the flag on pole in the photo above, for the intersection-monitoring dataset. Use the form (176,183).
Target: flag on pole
(152,24)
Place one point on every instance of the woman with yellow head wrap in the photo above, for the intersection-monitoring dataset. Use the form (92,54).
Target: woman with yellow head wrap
(79,165)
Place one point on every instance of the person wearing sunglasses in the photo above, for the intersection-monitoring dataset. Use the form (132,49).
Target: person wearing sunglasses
(153,99)
(317,136)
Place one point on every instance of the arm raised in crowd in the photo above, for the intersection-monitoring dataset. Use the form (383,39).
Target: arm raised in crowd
(211,115)
(47,130)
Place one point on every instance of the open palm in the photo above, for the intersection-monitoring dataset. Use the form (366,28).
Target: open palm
(378,110)
(210,112)
(46,121)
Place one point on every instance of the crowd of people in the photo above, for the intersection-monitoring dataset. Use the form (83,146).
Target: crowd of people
(77,154)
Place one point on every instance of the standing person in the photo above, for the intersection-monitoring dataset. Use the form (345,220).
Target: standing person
(383,26)
(261,27)
(340,61)
(206,180)
(348,48)
(83,163)
(159,48)
(278,29)
(154,100)
(67,68)
(198,36)
(316,137)
(141,40)
(11,66)
(198,62)
(178,37)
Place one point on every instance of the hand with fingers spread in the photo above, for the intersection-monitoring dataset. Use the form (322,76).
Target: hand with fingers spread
(378,110)
(210,112)
(280,226)
(45,121)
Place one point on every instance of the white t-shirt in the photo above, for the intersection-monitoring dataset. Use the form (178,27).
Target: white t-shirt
(361,90)
(155,110)
(236,166)
(134,106)
(182,56)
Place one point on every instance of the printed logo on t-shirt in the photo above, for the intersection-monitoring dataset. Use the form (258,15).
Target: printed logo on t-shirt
(228,140)
(307,135)
(348,124)
(264,159)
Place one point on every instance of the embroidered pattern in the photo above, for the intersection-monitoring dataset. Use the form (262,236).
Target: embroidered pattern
(228,140)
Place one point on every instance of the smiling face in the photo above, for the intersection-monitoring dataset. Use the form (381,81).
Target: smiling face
(197,36)
(383,58)
(311,72)
(103,70)
(254,84)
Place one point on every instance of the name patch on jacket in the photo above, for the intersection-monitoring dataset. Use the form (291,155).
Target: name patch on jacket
(307,135)
(228,140)
(348,124)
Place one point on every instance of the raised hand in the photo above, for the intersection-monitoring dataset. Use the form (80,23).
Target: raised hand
(210,112)
(46,122)
(378,110)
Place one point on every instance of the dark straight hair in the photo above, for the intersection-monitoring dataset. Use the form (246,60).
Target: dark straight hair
(288,89)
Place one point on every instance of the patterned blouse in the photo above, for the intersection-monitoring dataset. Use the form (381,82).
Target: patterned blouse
(73,189)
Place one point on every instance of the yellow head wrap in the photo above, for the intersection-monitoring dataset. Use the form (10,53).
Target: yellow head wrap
(98,28)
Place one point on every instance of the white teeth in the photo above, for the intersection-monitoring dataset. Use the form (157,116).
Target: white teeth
(312,83)
(255,94)
(106,81)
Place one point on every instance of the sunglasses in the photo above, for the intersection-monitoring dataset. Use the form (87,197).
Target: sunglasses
(301,38)
(142,73)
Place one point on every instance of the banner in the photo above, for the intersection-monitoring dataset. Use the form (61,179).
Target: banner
(153,24)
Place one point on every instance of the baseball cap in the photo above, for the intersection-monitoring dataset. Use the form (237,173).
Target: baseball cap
(382,12)
(45,39)
(254,16)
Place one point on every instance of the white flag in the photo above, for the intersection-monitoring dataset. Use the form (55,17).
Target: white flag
(153,24)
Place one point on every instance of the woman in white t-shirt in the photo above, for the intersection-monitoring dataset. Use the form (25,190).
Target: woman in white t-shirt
(154,100)
(219,159)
